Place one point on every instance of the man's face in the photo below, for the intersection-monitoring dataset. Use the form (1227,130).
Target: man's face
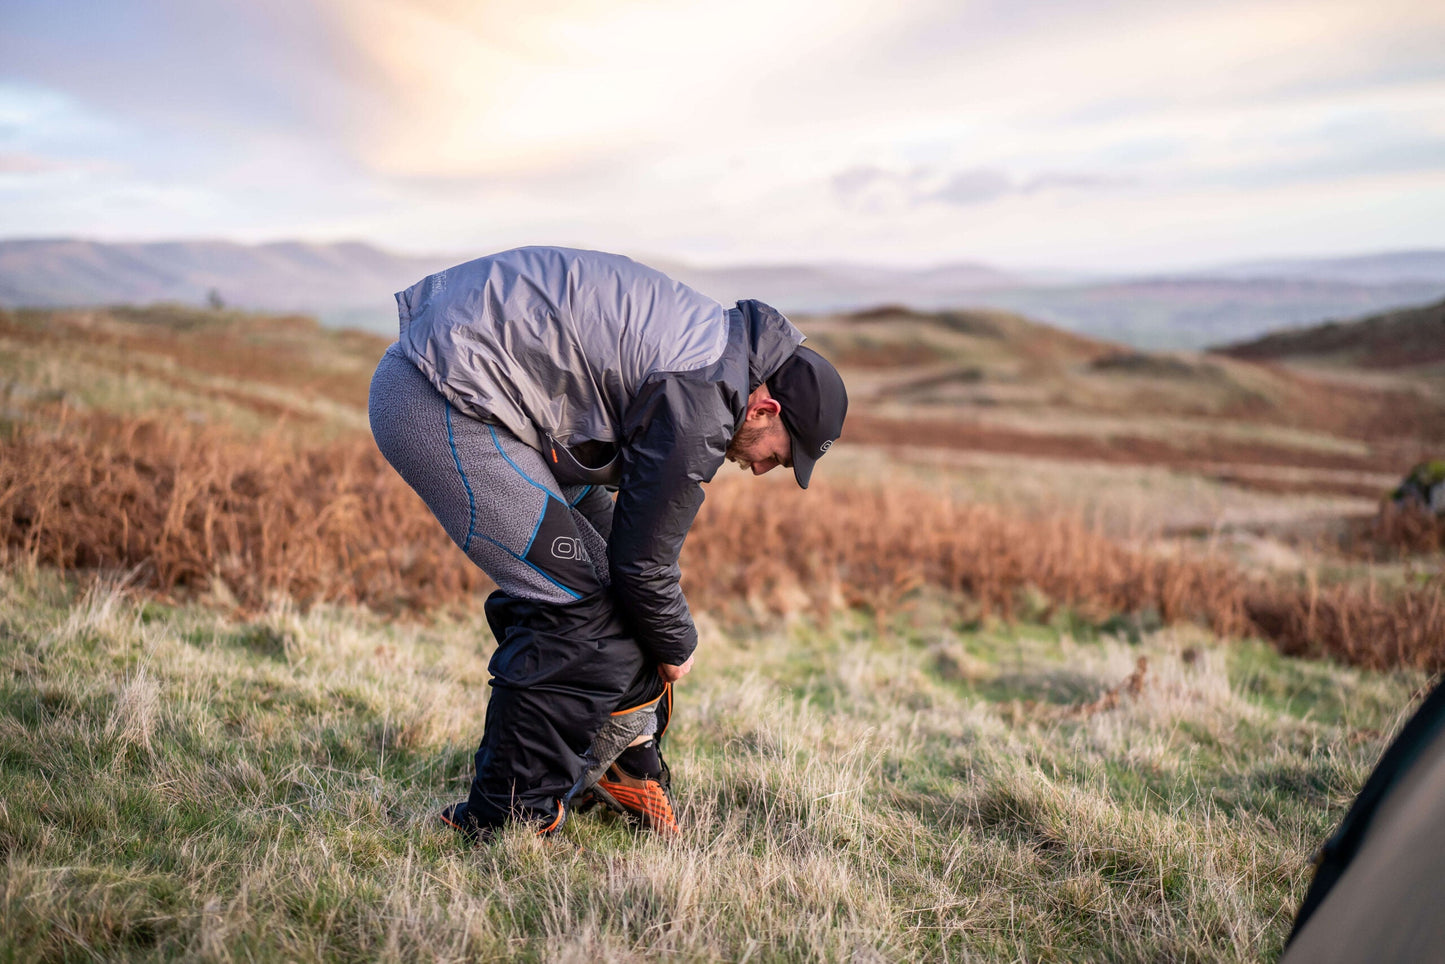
(761,445)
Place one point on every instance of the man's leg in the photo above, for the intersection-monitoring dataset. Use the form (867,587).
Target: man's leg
(629,773)
(563,662)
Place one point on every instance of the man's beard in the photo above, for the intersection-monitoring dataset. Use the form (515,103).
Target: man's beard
(746,437)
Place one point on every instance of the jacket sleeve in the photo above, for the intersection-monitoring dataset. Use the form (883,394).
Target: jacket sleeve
(676,433)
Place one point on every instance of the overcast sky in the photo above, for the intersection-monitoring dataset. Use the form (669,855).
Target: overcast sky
(1103,135)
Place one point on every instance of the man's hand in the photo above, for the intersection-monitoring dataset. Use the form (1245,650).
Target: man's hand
(671,673)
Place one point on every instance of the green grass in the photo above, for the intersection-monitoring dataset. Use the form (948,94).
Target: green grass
(175,784)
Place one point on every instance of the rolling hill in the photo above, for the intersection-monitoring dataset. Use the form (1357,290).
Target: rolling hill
(1408,338)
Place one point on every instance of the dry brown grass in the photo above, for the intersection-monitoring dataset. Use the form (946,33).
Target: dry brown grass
(1361,625)
(1406,530)
(199,508)
(1394,534)
(875,546)
(193,509)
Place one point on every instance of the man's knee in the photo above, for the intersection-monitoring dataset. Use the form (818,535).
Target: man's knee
(579,648)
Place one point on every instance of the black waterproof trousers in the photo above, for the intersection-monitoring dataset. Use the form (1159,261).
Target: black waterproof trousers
(558,675)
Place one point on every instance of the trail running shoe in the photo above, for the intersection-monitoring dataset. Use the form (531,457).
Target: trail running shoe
(458,819)
(636,785)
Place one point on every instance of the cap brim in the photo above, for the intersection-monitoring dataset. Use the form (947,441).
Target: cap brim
(803,462)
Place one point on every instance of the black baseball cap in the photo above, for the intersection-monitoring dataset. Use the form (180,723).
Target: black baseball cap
(814,403)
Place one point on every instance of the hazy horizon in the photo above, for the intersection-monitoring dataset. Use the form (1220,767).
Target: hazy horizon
(1024,271)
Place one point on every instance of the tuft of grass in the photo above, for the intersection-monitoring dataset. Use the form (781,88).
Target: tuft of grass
(176,783)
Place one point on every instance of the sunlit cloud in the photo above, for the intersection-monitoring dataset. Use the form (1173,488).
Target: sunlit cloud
(514,87)
(754,130)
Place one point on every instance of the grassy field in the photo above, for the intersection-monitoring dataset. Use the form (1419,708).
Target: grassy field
(176,784)
(1008,687)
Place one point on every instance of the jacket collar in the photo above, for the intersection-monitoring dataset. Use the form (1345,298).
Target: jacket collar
(771,339)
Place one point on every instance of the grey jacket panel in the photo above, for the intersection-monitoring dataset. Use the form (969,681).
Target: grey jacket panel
(555,340)
(593,347)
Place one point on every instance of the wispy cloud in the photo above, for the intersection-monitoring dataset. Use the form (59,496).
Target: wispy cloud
(877,189)
(24,164)
(21,163)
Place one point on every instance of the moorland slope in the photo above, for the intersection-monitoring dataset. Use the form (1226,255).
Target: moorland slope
(241,668)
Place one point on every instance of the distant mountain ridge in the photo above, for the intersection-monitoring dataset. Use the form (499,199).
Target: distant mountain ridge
(351,284)
(329,280)
(814,288)
(1393,267)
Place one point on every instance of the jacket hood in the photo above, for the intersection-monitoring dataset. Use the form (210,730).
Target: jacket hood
(772,339)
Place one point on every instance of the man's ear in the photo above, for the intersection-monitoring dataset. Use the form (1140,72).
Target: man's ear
(764,406)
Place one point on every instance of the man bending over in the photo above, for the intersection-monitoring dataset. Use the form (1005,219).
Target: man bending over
(525,388)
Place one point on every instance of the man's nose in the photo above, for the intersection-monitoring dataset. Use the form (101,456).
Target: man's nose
(761,468)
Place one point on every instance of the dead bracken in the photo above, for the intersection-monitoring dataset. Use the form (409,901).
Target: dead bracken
(203,508)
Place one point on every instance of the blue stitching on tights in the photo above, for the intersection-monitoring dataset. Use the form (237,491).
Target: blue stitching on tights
(514,465)
(538,527)
(571,592)
(523,561)
(471,499)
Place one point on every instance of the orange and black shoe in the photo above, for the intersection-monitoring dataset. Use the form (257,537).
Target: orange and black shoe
(458,819)
(636,785)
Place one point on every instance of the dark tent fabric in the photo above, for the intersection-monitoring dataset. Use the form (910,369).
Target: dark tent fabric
(1379,891)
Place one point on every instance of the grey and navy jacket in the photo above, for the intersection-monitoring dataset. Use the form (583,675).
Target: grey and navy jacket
(618,375)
